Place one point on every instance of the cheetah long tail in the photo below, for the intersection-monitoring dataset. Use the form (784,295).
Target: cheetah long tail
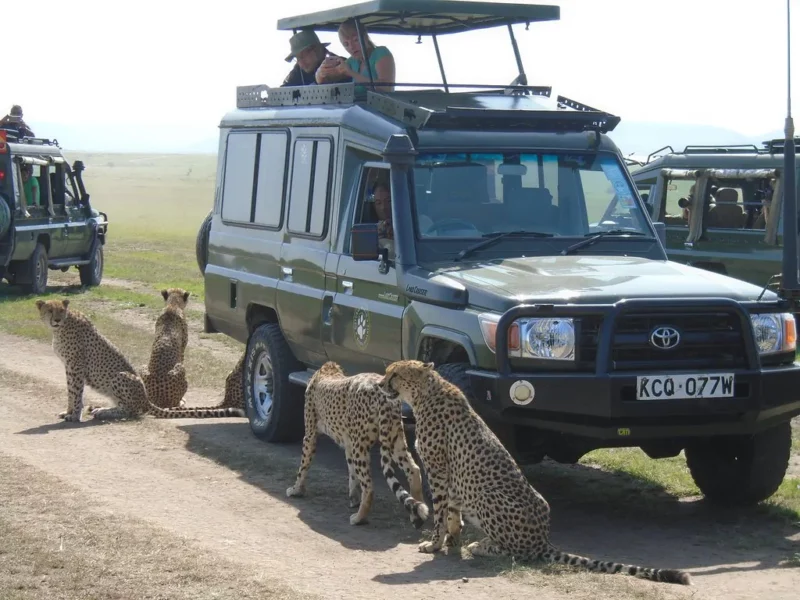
(195,413)
(663,575)
(418,511)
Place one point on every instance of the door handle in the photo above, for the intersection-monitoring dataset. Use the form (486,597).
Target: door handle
(348,286)
(287,272)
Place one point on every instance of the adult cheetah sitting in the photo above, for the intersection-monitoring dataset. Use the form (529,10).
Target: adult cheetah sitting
(89,357)
(353,412)
(471,474)
(165,376)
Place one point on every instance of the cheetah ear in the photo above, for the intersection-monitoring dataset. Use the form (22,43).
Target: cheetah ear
(186,296)
(65,302)
(429,366)
(165,294)
(39,304)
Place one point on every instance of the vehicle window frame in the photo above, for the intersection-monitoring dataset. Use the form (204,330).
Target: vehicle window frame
(359,201)
(257,163)
(330,177)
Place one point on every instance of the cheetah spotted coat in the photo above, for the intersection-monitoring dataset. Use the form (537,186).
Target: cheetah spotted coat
(352,412)
(165,376)
(473,476)
(90,358)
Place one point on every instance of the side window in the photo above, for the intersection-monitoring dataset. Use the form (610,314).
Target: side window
(308,204)
(374,206)
(254,178)
(678,192)
(237,189)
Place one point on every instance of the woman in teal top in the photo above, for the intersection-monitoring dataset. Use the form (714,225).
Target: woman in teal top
(379,60)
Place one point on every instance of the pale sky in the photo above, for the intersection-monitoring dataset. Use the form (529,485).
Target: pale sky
(178,62)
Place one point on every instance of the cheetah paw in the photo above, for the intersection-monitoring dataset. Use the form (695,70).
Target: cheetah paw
(295,491)
(356,520)
(429,547)
(73,418)
(63,415)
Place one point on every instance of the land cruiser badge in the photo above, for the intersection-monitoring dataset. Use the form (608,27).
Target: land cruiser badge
(361,327)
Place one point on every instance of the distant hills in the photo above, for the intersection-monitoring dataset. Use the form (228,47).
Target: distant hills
(640,138)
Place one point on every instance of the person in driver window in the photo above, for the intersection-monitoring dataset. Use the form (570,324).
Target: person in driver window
(30,184)
(382,199)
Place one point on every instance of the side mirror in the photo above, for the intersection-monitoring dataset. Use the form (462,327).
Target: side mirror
(364,241)
(661,232)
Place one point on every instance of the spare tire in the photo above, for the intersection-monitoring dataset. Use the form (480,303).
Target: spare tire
(201,245)
(5,217)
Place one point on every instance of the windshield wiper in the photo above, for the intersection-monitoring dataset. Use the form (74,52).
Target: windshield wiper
(496,236)
(593,237)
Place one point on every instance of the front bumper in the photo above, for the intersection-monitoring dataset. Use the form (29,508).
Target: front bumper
(601,403)
(604,407)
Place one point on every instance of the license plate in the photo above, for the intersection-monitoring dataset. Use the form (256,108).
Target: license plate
(677,387)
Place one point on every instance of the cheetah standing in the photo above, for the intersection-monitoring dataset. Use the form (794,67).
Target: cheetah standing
(90,358)
(353,412)
(472,474)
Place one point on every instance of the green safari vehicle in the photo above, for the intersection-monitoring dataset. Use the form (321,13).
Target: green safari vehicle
(517,256)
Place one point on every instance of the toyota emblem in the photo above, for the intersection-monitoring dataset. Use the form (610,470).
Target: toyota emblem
(665,338)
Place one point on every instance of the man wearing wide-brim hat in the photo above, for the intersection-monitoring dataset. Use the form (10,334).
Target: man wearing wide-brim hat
(309,52)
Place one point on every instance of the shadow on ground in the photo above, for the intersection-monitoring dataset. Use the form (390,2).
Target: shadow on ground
(608,516)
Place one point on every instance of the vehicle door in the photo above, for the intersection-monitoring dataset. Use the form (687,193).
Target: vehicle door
(367,310)
(734,231)
(305,250)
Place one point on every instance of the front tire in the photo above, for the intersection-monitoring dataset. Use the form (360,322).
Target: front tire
(274,405)
(741,471)
(92,274)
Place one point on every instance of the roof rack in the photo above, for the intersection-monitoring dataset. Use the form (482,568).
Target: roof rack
(776,146)
(12,137)
(721,149)
(529,107)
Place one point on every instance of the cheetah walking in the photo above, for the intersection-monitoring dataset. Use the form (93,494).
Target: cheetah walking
(471,474)
(90,358)
(165,376)
(352,412)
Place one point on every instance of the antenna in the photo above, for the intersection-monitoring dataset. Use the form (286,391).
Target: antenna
(790,277)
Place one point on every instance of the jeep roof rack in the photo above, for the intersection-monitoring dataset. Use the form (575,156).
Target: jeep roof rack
(487,108)
(428,17)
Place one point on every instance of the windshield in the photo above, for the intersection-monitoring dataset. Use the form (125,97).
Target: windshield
(566,195)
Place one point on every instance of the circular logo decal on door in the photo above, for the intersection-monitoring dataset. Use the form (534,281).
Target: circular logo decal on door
(361,327)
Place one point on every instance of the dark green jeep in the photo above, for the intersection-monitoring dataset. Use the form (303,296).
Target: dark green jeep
(57,230)
(721,206)
(520,260)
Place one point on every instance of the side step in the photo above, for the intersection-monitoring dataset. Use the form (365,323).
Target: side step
(301,377)
(57,263)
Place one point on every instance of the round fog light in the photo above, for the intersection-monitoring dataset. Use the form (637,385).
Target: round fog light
(521,392)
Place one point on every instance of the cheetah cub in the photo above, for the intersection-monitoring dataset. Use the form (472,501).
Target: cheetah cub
(89,357)
(471,474)
(352,411)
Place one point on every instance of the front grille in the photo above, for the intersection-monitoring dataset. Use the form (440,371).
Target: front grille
(709,340)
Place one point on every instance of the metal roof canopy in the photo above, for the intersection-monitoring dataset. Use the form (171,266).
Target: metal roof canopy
(424,17)
(427,17)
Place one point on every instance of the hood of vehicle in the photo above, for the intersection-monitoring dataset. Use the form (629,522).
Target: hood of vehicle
(498,285)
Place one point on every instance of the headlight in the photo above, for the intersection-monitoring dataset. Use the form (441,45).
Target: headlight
(549,338)
(775,332)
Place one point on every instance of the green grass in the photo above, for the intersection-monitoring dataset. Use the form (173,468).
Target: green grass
(671,475)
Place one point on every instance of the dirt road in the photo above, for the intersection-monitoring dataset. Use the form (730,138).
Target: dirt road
(208,489)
